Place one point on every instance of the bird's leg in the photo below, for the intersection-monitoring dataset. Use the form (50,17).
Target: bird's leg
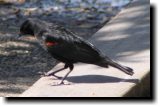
(54,72)
(71,68)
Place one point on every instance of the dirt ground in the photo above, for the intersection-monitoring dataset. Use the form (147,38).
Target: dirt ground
(22,61)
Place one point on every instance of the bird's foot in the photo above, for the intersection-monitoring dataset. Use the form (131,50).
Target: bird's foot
(49,74)
(46,74)
(61,83)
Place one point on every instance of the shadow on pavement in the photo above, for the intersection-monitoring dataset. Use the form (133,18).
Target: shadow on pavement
(98,79)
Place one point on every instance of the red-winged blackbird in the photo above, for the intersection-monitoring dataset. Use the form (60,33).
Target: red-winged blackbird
(67,47)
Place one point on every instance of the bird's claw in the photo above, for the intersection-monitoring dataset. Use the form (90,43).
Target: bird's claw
(47,74)
(60,83)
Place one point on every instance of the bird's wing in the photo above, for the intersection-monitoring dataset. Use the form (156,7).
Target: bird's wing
(73,47)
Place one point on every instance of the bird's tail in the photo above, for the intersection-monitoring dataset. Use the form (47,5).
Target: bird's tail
(125,69)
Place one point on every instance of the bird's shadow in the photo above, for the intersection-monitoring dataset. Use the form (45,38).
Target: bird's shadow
(98,79)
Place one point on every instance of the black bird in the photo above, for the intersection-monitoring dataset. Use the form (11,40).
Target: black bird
(67,47)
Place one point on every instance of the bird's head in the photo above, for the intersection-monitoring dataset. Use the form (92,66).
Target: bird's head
(27,28)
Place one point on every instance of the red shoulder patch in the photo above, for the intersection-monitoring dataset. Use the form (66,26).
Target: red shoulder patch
(51,43)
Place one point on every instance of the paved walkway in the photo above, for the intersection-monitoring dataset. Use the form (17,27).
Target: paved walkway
(126,39)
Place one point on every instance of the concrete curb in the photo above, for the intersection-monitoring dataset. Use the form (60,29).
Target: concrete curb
(126,39)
